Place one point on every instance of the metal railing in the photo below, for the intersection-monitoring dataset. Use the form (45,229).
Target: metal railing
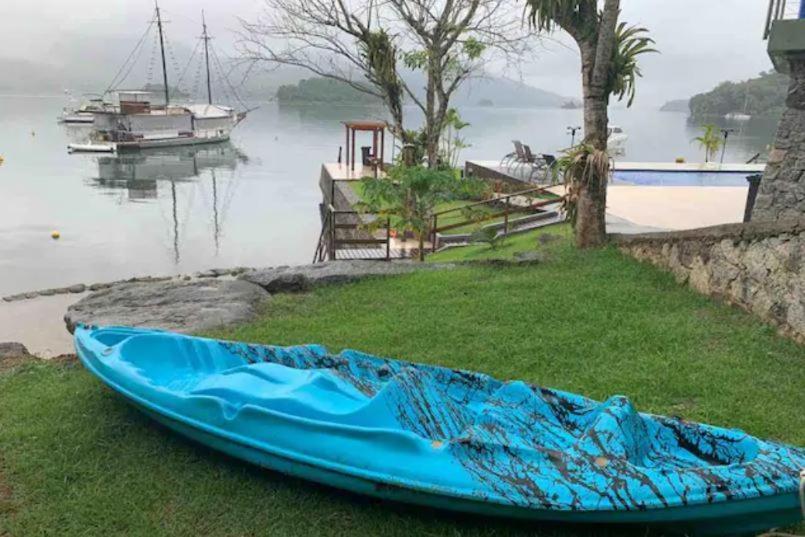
(783,9)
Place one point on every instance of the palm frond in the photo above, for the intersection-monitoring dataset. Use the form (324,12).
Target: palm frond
(545,15)
(630,42)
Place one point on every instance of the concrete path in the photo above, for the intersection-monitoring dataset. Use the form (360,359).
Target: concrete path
(638,209)
(677,207)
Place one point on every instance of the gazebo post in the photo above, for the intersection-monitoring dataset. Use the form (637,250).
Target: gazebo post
(382,145)
(353,149)
(346,153)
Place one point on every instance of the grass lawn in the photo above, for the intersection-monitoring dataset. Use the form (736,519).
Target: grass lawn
(76,460)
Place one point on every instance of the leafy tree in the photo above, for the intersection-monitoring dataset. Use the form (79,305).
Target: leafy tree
(408,197)
(761,96)
(366,44)
(322,90)
(609,53)
(488,235)
(710,141)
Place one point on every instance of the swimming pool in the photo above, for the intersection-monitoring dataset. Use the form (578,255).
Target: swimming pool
(680,178)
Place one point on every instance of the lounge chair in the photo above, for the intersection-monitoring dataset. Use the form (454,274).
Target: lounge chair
(543,163)
(514,158)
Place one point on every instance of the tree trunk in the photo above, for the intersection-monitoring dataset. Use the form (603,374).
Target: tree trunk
(431,137)
(421,247)
(596,54)
(591,228)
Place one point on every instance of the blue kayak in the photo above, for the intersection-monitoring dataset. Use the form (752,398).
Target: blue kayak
(449,439)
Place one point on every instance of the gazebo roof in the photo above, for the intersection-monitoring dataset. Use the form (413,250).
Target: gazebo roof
(366,125)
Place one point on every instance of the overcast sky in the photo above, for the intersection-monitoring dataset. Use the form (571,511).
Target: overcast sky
(703,42)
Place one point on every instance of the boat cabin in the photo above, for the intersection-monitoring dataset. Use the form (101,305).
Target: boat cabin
(135,101)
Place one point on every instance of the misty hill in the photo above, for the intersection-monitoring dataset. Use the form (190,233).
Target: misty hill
(489,91)
(504,93)
(677,105)
(761,96)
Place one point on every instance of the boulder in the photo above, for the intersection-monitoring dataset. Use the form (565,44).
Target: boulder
(306,277)
(12,349)
(171,305)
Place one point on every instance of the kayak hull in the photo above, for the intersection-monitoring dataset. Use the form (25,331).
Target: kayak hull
(746,518)
(719,518)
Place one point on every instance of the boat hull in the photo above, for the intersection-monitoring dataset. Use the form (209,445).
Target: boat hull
(170,142)
(217,427)
(76,120)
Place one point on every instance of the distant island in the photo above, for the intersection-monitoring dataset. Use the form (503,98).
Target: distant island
(322,90)
(572,104)
(485,92)
(761,96)
(677,105)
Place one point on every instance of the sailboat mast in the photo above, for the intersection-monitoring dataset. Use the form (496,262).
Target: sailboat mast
(206,39)
(162,51)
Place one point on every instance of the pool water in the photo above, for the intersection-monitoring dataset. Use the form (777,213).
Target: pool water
(681,178)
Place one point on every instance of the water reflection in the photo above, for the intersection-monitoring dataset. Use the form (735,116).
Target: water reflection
(139,174)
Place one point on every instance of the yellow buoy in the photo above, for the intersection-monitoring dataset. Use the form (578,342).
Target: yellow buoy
(2,159)
(55,234)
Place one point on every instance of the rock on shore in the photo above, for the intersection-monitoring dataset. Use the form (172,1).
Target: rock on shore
(171,305)
(306,277)
(12,349)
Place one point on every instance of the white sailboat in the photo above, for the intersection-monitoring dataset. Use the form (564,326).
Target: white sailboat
(740,116)
(136,122)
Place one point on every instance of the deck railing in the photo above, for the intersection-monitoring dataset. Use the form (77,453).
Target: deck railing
(507,210)
(330,242)
(783,9)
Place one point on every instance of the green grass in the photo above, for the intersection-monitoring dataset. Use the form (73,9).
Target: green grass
(76,460)
(557,238)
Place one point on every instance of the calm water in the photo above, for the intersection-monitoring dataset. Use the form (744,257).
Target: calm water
(250,202)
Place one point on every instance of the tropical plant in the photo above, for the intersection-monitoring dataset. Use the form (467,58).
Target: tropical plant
(710,141)
(609,53)
(408,197)
(452,143)
(415,143)
(489,235)
(580,165)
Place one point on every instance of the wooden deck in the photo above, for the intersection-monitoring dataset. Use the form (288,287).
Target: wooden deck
(370,253)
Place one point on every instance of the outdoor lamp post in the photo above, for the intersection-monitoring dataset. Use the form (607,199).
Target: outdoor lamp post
(574,130)
(726,133)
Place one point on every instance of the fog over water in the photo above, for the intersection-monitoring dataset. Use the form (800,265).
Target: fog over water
(702,42)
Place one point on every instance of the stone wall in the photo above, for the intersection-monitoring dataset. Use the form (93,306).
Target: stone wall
(759,266)
(782,190)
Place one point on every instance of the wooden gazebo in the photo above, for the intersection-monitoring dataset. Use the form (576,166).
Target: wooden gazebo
(378,130)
